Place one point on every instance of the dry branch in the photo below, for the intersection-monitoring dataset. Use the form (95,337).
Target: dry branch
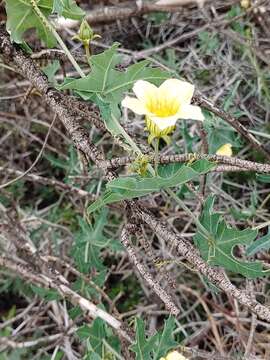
(167,159)
(133,8)
(215,275)
(51,182)
(90,309)
(154,285)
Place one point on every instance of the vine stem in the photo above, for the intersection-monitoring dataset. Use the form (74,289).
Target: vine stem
(156,147)
(87,52)
(66,50)
(189,212)
(51,28)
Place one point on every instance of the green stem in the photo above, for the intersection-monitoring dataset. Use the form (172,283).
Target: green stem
(51,28)
(189,212)
(67,52)
(87,52)
(156,148)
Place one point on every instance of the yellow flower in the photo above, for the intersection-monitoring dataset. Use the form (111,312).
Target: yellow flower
(245,4)
(163,106)
(225,150)
(174,355)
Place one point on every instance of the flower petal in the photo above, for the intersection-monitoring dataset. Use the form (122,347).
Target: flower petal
(190,112)
(144,89)
(135,105)
(164,122)
(175,355)
(225,150)
(178,88)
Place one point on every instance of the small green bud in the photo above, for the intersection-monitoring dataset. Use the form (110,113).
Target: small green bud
(86,33)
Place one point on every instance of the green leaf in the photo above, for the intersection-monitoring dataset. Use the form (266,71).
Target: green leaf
(156,346)
(217,247)
(95,335)
(89,242)
(110,83)
(105,85)
(46,294)
(68,9)
(219,133)
(110,112)
(142,347)
(50,70)
(208,42)
(264,178)
(124,188)
(259,245)
(21,16)
(83,332)
(92,356)
(165,341)
(228,102)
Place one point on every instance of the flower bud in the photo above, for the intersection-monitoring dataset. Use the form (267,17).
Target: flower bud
(86,33)
(245,4)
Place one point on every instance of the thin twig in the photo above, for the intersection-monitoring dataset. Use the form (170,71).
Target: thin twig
(36,159)
(201,101)
(161,293)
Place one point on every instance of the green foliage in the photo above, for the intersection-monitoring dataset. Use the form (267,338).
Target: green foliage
(130,286)
(109,83)
(124,188)
(237,25)
(156,346)
(46,294)
(190,140)
(157,17)
(70,166)
(105,85)
(219,133)
(50,70)
(246,212)
(217,243)
(17,354)
(231,96)
(262,244)
(89,242)
(264,178)
(96,335)
(21,16)
(68,9)
(208,42)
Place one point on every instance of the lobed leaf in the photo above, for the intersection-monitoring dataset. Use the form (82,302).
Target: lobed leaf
(124,188)
(21,17)
(109,83)
(68,9)
(218,242)
(259,245)
(156,346)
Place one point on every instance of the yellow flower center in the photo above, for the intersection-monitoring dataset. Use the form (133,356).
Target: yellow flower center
(162,106)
